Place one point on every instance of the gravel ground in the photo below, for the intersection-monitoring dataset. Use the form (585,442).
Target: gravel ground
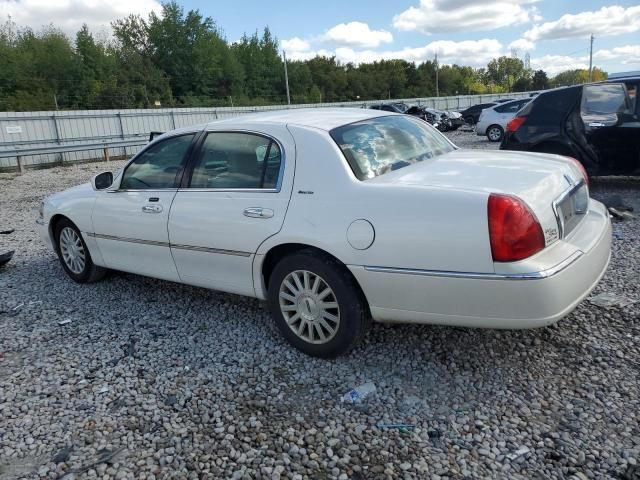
(150,379)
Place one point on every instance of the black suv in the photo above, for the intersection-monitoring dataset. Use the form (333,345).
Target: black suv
(597,123)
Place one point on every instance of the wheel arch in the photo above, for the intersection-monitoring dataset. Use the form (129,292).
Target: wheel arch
(271,258)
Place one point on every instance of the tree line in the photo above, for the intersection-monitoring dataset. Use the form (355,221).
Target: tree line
(182,59)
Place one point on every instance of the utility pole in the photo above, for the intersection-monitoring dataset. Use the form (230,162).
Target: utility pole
(437,86)
(55,100)
(591,60)
(286,77)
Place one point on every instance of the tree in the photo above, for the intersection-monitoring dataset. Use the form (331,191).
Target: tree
(540,80)
(504,71)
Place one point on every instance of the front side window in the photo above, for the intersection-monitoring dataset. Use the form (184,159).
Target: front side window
(379,145)
(237,160)
(159,166)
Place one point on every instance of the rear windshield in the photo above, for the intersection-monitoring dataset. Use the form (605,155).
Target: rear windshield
(379,145)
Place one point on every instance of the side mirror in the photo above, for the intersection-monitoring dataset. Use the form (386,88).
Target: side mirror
(102,181)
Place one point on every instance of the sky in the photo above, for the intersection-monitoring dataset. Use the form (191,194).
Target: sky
(555,33)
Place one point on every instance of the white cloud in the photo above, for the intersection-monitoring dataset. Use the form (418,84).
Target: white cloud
(69,15)
(554,64)
(627,54)
(612,20)
(295,44)
(475,53)
(446,16)
(356,34)
(522,45)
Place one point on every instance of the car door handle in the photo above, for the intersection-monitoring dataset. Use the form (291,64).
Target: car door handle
(152,208)
(258,212)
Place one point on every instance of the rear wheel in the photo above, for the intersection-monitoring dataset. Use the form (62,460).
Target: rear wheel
(317,305)
(495,133)
(74,254)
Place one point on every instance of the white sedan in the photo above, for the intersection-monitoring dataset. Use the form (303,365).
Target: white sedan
(493,120)
(338,217)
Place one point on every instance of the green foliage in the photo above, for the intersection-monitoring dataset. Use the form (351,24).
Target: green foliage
(180,58)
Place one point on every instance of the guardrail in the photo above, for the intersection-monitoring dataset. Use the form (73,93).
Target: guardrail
(20,153)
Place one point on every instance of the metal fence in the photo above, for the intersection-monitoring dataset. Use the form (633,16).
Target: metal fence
(40,139)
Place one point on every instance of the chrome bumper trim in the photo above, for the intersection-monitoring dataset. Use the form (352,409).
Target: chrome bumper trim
(170,245)
(550,272)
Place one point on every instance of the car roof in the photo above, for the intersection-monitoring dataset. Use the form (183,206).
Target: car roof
(321,118)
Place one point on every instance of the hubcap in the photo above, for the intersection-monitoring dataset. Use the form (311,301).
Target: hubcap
(309,306)
(72,250)
(494,133)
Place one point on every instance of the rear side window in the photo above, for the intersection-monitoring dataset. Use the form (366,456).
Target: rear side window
(510,107)
(379,145)
(230,160)
(604,99)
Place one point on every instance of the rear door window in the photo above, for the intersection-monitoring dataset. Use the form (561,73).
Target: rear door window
(601,104)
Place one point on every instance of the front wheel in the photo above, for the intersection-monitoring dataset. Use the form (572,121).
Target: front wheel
(74,254)
(494,133)
(317,305)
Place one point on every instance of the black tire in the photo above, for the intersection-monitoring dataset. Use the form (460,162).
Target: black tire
(91,272)
(354,317)
(495,138)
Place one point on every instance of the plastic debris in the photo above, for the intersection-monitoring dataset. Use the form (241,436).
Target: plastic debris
(35,302)
(7,232)
(104,389)
(18,307)
(66,321)
(611,300)
(356,395)
(518,453)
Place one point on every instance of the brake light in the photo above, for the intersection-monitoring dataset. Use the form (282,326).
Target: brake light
(515,123)
(582,170)
(514,231)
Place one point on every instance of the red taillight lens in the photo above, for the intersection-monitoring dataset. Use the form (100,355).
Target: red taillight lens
(515,123)
(582,170)
(514,230)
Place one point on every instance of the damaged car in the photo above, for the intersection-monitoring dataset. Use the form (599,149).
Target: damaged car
(340,217)
(598,124)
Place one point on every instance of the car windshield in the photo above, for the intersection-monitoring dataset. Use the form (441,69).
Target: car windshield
(379,145)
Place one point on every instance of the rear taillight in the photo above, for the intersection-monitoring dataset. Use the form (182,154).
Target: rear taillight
(582,170)
(515,123)
(514,231)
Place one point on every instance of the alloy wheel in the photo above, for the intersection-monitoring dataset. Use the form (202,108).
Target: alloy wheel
(72,250)
(309,306)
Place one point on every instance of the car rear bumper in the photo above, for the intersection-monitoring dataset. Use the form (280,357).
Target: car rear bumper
(499,300)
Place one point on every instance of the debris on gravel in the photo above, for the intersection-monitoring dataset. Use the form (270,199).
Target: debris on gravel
(148,379)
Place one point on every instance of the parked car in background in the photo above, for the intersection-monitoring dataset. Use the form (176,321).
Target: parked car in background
(493,120)
(504,100)
(598,124)
(447,120)
(472,114)
(425,114)
(339,216)
(396,107)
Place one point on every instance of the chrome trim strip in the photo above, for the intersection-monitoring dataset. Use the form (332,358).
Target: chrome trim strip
(167,244)
(129,240)
(550,272)
(212,250)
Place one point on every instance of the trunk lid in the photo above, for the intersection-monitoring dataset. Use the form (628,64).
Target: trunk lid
(547,183)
